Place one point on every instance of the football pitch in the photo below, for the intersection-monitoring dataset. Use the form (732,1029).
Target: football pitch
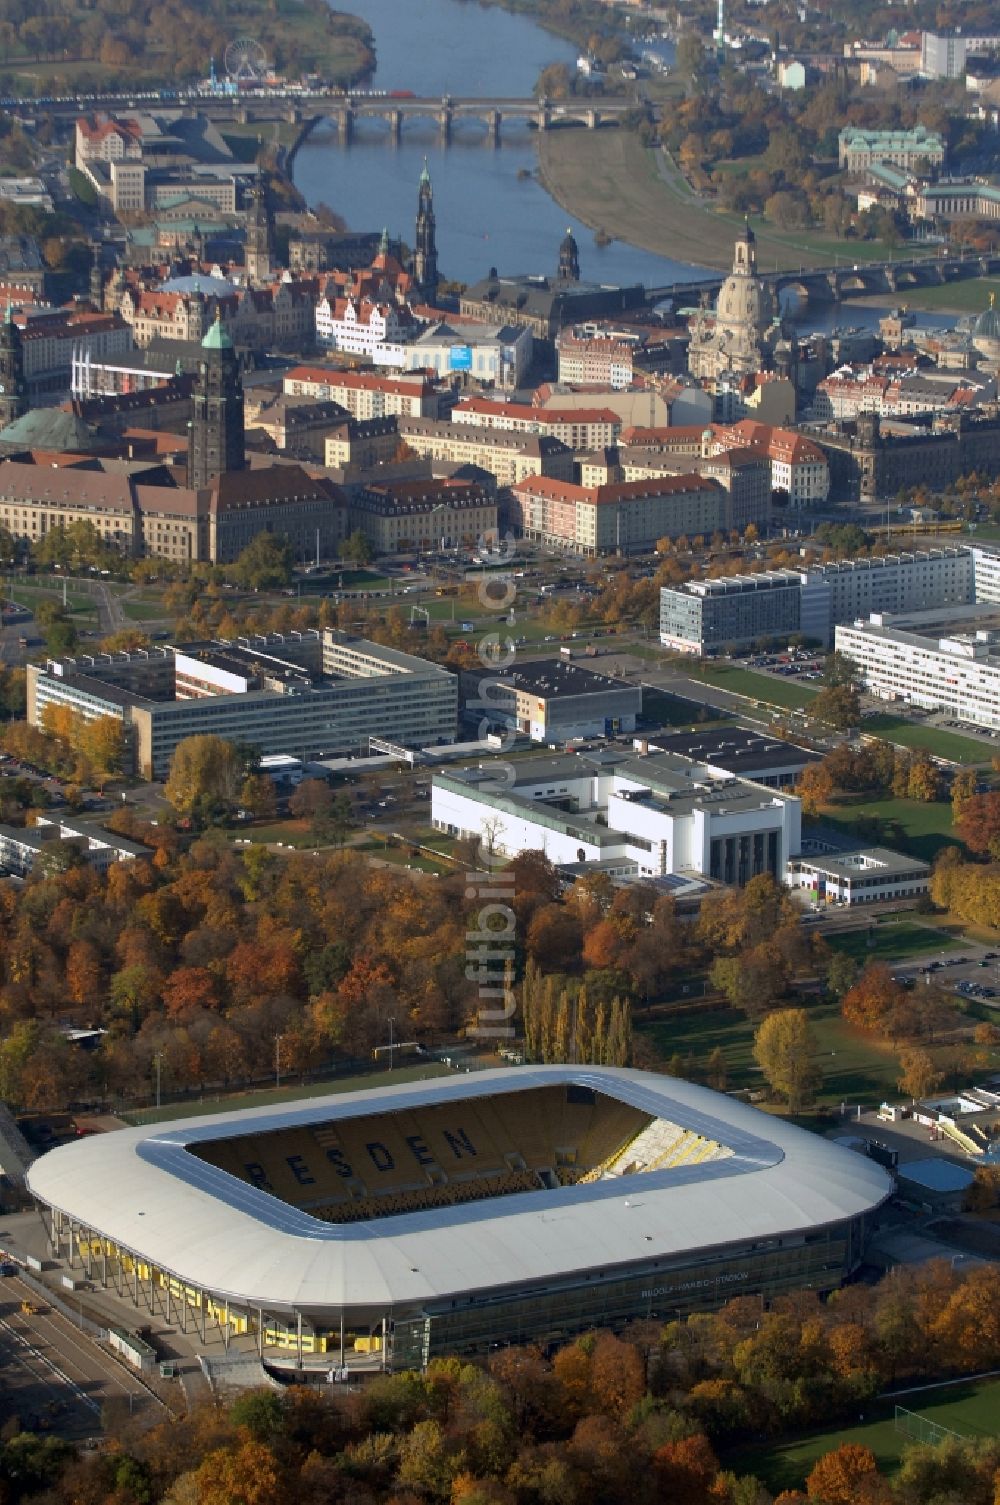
(969,1407)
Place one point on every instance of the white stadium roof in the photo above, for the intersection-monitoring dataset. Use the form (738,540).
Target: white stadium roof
(142,1189)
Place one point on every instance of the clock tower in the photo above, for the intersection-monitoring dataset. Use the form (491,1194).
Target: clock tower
(13,388)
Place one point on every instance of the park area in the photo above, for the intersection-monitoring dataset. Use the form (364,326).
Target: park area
(970,1408)
(919,827)
(855,1068)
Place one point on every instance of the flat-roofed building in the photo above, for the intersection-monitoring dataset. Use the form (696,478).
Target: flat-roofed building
(306,694)
(863,875)
(712,616)
(498,356)
(708,616)
(959,675)
(551,700)
(56,840)
(773,761)
(653,815)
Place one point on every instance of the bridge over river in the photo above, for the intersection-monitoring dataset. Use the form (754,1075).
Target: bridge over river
(345,108)
(847,280)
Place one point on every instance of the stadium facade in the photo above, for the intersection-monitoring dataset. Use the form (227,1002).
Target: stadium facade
(522,1205)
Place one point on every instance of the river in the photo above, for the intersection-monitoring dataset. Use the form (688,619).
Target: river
(490,209)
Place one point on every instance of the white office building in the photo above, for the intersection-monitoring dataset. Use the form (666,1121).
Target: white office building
(652,816)
(828,874)
(959,675)
(986,572)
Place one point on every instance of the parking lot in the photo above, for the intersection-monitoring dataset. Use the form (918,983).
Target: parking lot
(973,974)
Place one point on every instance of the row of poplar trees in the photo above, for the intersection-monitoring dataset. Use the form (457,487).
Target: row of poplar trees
(564,1022)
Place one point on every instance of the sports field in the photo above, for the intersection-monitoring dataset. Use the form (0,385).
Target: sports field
(971,1408)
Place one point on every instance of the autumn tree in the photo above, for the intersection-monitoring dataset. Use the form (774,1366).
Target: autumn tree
(978,825)
(963,789)
(846,1476)
(874,1001)
(265,563)
(205,771)
(918,1075)
(838,702)
(815,788)
(784,1049)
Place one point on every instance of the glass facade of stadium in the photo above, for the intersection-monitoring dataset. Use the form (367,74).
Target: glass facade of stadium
(543,1313)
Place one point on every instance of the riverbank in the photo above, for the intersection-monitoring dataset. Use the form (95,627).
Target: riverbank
(611,182)
(970,297)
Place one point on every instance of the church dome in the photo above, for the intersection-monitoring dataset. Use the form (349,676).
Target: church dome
(209,287)
(986,330)
(745,303)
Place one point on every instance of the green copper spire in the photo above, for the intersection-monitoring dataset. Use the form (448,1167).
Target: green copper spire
(217,337)
(383,245)
(425,177)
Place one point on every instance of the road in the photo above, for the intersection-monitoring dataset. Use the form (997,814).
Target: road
(54,1376)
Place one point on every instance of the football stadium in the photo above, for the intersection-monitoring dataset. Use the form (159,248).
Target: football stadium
(378,1228)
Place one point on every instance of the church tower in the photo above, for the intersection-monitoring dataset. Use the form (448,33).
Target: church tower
(569,259)
(258,257)
(13,388)
(425,261)
(216,441)
(745,253)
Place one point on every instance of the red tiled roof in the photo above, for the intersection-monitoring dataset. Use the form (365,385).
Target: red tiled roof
(619,491)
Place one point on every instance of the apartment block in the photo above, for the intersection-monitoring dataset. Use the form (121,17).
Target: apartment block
(363,394)
(509,457)
(623,518)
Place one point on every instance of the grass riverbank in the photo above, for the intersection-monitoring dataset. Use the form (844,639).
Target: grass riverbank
(608,179)
(969,297)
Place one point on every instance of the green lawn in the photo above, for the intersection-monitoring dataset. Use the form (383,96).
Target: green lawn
(140,611)
(940,744)
(894,940)
(854,1068)
(264,1097)
(971,295)
(770,689)
(290,833)
(970,1407)
(924,828)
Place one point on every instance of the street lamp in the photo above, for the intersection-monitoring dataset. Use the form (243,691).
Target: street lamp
(277,1060)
